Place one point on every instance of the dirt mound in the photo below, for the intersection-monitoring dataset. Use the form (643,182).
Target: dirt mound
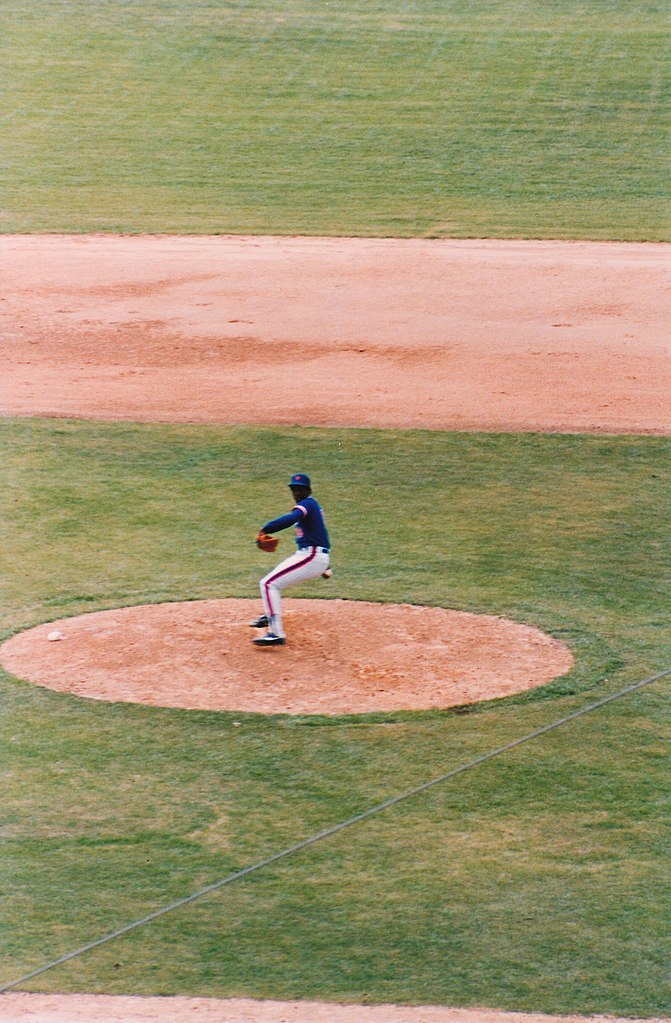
(341,657)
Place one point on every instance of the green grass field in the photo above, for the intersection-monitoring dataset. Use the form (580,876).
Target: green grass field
(537,881)
(355,117)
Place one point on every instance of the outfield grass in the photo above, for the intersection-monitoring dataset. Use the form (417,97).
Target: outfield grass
(537,881)
(514,118)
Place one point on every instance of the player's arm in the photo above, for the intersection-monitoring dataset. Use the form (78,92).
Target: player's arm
(284,521)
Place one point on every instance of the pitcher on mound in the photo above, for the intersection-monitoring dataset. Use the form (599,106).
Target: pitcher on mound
(311,560)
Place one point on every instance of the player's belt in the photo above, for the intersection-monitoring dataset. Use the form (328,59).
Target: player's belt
(319,550)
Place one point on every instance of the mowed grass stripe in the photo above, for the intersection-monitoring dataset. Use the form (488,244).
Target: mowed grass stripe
(451,119)
(389,803)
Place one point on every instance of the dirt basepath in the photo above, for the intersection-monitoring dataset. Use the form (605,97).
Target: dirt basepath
(467,335)
(22,1008)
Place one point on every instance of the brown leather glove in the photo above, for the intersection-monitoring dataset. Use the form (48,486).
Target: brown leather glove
(266,542)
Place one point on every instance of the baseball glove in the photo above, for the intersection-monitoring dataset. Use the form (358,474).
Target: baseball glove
(266,542)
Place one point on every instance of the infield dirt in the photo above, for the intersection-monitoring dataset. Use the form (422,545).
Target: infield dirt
(446,335)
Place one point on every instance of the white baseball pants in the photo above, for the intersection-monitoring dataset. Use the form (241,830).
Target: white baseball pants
(306,563)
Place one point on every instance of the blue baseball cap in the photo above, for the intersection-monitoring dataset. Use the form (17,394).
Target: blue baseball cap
(299,479)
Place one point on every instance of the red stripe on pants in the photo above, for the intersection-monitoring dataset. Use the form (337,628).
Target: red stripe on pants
(286,571)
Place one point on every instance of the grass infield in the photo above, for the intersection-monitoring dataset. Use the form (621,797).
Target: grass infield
(433,117)
(537,881)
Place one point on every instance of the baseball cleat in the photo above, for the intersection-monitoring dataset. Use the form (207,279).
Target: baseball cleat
(259,623)
(270,639)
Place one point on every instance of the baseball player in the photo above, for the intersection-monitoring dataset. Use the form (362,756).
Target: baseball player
(310,561)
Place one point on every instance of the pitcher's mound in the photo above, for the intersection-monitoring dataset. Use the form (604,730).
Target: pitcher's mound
(341,657)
